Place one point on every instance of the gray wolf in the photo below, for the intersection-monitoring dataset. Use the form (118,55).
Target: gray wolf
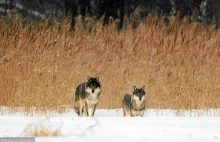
(87,96)
(134,105)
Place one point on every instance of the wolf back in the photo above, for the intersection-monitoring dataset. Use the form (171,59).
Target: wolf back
(80,92)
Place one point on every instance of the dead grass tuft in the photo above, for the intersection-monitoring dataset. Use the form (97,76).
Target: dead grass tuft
(40,130)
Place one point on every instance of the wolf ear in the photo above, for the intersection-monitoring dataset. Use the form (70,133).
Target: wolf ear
(97,78)
(143,88)
(135,88)
(88,78)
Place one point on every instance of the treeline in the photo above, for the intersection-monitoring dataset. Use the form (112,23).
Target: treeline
(195,10)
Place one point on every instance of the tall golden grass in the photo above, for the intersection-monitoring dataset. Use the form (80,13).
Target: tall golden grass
(41,66)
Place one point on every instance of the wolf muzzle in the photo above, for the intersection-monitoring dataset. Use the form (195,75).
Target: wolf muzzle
(140,97)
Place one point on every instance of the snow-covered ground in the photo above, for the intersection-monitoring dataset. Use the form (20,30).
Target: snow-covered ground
(109,125)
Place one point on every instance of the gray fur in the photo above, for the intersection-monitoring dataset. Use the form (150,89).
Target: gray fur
(134,105)
(80,92)
(87,96)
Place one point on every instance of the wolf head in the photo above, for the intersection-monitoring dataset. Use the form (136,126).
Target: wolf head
(139,94)
(93,85)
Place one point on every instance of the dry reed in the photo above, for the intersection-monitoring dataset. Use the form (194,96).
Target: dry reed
(41,66)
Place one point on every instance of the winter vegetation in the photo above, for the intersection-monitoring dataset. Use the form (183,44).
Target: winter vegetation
(41,65)
(48,47)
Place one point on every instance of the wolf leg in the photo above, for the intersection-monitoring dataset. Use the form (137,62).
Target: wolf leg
(76,110)
(86,110)
(93,110)
(124,111)
(81,105)
(142,114)
(80,110)
(131,114)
